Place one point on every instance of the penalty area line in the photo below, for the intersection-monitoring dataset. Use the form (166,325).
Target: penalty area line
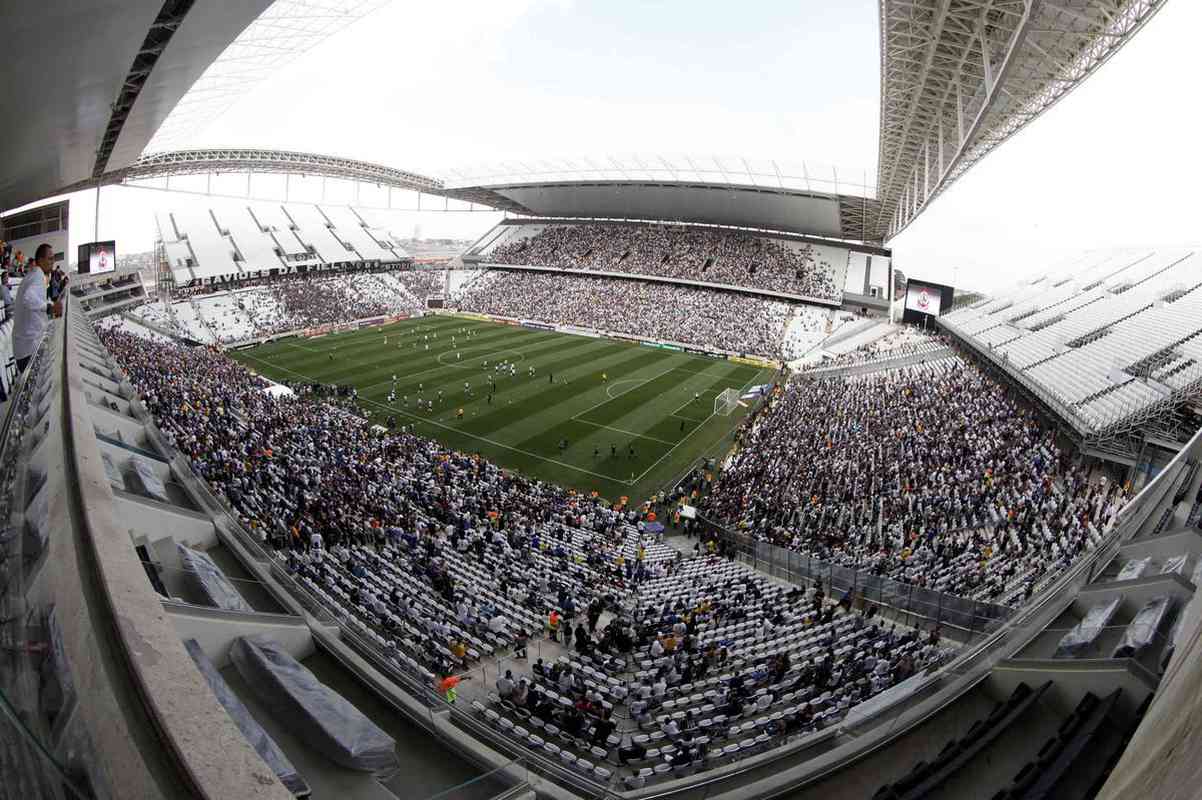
(691,434)
(493,442)
(511,448)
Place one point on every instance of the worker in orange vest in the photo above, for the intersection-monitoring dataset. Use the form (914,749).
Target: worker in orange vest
(448,686)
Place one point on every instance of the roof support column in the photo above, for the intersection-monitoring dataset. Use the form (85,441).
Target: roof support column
(988,67)
(926,165)
(939,133)
(960,113)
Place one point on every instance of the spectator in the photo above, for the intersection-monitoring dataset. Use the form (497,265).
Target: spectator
(7,291)
(738,323)
(712,255)
(931,474)
(33,308)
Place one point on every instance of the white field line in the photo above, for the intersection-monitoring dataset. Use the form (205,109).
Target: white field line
(690,402)
(444,365)
(429,421)
(620,430)
(690,436)
(494,442)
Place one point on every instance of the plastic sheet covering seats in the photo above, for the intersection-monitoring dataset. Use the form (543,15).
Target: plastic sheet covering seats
(1175,564)
(1135,568)
(1142,629)
(1085,632)
(251,730)
(146,481)
(321,716)
(208,578)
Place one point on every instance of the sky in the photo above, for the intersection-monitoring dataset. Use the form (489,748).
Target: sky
(460,83)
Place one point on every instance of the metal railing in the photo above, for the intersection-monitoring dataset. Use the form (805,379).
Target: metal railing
(909,603)
(35,764)
(991,634)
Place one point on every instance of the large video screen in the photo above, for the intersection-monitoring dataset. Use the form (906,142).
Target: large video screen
(924,299)
(97,257)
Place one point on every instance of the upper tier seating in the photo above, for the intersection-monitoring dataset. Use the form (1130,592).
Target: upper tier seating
(929,473)
(727,321)
(727,257)
(1108,340)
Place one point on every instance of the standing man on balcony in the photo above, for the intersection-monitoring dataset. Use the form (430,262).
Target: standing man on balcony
(32,309)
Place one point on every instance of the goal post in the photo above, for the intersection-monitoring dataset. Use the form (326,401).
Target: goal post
(726,402)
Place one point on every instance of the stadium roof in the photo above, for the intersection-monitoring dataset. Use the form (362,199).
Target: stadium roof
(803,198)
(959,77)
(273,162)
(99,76)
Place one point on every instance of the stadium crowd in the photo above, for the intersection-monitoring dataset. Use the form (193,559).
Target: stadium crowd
(932,475)
(450,557)
(971,493)
(302,474)
(307,303)
(728,321)
(284,304)
(421,283)
(905,341)
(698,254)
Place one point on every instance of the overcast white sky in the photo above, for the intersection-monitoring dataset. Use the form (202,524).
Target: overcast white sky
(461,82)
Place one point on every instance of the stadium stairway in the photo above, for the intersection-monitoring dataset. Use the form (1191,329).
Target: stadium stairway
(845,341)
(848,330)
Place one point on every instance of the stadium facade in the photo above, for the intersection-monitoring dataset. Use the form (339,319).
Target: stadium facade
(125,673)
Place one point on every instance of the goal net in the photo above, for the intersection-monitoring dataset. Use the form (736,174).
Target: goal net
(726,402)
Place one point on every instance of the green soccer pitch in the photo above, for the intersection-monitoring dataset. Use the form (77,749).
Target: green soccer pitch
(629,435)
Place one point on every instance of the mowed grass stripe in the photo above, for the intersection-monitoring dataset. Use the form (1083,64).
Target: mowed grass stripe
(695,417)
(378,366)
(518,400)
(450,377)
(352,341)
(304,356)
(528,416)
(664,363)
(660,387)
(346,364)
(339,341)
(614,357)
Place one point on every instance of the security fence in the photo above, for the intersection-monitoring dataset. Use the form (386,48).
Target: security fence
(914,605)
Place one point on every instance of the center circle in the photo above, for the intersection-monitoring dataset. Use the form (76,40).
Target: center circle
(612,384)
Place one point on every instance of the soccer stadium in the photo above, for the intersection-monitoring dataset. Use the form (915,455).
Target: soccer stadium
(358,444)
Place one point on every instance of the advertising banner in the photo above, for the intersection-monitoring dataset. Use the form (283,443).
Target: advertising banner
(753,361)
(322,330)
(541,326)
(371,322)
(577,331)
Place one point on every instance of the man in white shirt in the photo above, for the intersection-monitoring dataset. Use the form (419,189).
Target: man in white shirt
(506,685)
(31,308)
(7,291)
